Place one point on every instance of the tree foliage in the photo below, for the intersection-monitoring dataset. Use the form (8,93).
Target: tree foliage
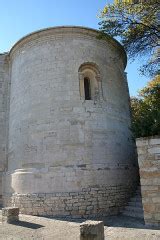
(136,23)
(146,110)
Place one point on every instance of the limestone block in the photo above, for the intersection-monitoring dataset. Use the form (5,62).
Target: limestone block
(154,149)
(140,142)
(150,178)
(90,230)
(157,156)
(10,214)
(154,141)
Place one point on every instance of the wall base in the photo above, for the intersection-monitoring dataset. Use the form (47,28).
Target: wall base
(91,201)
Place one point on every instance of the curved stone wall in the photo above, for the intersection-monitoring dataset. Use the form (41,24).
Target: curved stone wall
(4,99)
(63,148)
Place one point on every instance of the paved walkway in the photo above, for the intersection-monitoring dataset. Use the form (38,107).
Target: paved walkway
(41,228)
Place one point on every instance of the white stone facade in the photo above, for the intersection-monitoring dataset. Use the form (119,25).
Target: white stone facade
(4,97)
(66,155)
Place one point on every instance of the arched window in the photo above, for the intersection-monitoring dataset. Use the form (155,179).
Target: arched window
(89,82)
(87,89)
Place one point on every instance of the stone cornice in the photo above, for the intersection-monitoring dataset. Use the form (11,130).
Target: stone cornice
(70,30)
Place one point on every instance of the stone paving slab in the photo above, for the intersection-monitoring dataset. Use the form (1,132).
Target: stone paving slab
(41,228)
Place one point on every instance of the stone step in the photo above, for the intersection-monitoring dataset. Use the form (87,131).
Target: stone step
(133,214)
(138,191)
(136,199)
(134,209)
(138,196)
(1,203)
(138,188)
(135,204)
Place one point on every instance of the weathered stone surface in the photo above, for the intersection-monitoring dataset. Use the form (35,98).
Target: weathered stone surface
(148,150)
(60,143)
(90,230)
(10,214)
(4,98)
(95,201)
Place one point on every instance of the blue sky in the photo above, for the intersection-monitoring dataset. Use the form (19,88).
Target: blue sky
(20,17)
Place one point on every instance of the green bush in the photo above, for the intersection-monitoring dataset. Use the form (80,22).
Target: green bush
(146,110)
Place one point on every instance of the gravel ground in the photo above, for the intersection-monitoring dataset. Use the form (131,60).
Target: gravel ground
(41,228)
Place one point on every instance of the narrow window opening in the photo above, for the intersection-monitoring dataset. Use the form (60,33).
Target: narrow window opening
(87,89)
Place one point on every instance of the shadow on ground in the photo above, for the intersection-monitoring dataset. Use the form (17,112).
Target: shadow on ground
(112,221)
(27,224)
(126,222)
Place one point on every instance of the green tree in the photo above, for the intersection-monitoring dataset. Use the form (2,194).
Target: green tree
(146,110)
(136,23)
